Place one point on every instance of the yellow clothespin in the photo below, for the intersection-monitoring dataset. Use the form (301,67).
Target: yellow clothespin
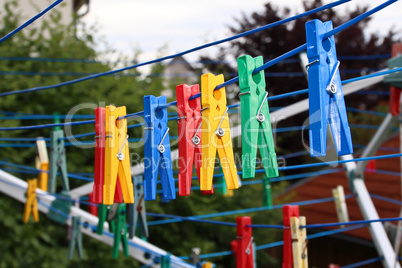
(216,134)
(42,163)
(299,242)
(340,204)
(117,157)
(31,204)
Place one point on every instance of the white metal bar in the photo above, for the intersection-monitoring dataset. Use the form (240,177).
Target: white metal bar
(377,231)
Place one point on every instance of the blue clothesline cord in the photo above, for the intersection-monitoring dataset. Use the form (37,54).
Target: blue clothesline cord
(30,21)
(271,25)
(362,263)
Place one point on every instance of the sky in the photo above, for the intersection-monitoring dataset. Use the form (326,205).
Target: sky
(181,25)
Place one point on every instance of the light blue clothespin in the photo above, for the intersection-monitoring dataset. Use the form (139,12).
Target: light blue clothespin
(137,211)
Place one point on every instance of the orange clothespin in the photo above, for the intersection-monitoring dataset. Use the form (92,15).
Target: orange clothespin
(42,163)
(216,133)
(31,204)
(117,158)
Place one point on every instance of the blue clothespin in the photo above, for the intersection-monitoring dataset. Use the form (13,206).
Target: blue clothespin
(157,149)
(326,101)
(57,161)
(136,211)
(75,238)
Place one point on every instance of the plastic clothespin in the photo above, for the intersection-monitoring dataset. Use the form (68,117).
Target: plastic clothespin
(137,211)
(61,208)
(371,166)
(117,220)
(157,149)
(243,245)
(288,213)
(92,208)
(117,157)
(102,216)
(206,264)
(189,127)
(299,242)
(57,161)
(99,174)
(266,192)
(42,163)
(31,204)
(255,119)
(395,80)
(220,181)
(165,261)
(326,102)
(75,238)
(56,120)
(340,204)
(216,133)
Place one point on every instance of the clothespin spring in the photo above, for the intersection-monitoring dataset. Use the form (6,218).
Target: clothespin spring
(196,139)
(120,155)
(331,88)
(304,250)
(161,148)
(248,246)
(260,116)
(311,63)
(220,132)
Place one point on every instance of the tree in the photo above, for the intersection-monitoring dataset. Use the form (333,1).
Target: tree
(276,41)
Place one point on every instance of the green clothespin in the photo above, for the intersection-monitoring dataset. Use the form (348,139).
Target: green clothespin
(57,161)
(117,223)
(165,261)
(56,120)
(255,119)
(394,79)
(102,214)
(266,192)
(222,189)
(60,208)
(75,238)
(137,211)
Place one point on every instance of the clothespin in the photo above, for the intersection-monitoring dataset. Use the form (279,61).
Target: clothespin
(137,211)
(57,161)
(216,133)
(31,204)
(117,219)
(189,127)
(99,174)
(288,213)
(195,256)
(340,204)
(395,80)
(165,261)
(61,208)
(92,208)
(75,238)
(255,119)
(42,163)
(157,149)
(243,245)
(371,166)
(266,192)
(56,120)
(206,264)
(102,216)
(326,102)
(220,180)
(117,157)
(299,242)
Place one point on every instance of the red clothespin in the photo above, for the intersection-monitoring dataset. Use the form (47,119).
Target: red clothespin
(288,212)
(371,166)
(395,92)
(243,245)
(92,208)
(189,126)
(100,141)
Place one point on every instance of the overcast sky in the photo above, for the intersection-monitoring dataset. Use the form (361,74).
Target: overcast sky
(185,24)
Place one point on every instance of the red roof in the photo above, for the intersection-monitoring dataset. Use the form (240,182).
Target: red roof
(386,185)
